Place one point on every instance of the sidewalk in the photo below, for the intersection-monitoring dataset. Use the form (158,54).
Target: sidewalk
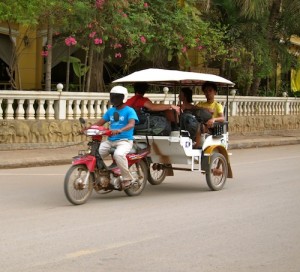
(63,155)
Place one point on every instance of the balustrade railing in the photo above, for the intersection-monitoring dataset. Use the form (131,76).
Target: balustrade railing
(41,105)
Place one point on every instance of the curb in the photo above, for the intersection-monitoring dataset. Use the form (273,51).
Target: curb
(243,144)
(234,144)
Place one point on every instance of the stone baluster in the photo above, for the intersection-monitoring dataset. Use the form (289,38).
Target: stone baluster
(20,112)
(1,111)
(97,109)
(84,112)
(281,108)
(77,111)
(258,108)
(238,108)
(50,110)
(267,109)
(294,108)
(70,112)
(40,113)
(276,109)
(9,110)
(30,110)
(103,107)
(91,110)
(250,107)
(254,108)
(243,108)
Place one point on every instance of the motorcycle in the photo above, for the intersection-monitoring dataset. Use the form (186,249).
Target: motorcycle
(88,170)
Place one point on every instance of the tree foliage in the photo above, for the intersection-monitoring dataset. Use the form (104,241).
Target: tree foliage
(245,39)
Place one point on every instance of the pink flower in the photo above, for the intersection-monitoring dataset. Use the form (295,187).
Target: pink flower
(184,49)
(92,34)
(143,39)
(70,41)
(49,46)
(44,54)
(118,55)
(99,4)
(98,41)
(146,5)
(117,45)
(199,47)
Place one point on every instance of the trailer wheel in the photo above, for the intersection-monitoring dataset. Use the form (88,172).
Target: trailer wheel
(156,173)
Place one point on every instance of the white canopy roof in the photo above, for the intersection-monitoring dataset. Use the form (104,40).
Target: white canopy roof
(173,77)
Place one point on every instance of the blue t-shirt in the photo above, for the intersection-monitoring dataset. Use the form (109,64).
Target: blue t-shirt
(125,115)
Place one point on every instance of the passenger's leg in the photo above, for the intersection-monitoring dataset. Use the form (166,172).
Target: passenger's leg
(197,144)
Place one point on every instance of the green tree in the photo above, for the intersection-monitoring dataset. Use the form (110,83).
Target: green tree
(258,34)
(124,32)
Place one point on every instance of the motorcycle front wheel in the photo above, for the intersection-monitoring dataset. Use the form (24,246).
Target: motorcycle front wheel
(139,171)
(78,184)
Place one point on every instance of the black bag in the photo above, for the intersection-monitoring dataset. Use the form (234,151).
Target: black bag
(202,115)
(154,125)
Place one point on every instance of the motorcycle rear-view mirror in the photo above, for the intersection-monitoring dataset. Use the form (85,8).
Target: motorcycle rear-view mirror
(82,121)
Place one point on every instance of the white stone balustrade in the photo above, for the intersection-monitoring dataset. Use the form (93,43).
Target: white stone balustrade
(42,105)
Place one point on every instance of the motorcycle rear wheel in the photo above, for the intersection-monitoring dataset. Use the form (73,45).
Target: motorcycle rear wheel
(75,189)
(139,171)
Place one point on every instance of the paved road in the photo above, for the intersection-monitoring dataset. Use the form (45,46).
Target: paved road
(253,224)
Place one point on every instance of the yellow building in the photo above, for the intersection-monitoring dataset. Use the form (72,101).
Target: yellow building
(25,46)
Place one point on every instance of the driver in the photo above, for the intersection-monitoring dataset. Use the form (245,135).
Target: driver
(122,119)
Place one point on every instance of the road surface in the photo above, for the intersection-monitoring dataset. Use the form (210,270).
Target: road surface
(253,224)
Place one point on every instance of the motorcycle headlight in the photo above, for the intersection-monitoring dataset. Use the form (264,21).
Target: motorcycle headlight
(93,132)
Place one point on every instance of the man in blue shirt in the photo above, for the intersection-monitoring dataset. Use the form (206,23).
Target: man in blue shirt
(122,119)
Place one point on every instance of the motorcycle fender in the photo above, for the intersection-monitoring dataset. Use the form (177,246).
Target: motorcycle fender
(88,160)
(207,153)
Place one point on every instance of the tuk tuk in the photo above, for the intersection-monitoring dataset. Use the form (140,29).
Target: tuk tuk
(175,151)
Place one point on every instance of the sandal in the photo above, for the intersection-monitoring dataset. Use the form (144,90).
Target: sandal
(125,184)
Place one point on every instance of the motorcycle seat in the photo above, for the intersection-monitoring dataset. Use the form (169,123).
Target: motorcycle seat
(136,148)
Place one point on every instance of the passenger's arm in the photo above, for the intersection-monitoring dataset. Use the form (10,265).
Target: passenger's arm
(161,107)
(220,118)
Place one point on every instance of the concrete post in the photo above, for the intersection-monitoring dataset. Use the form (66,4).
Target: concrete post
(60,107)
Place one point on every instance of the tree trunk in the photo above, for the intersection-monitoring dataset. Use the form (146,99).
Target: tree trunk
(97,85)
(272,33)
(90,64)
(49,58)
(68,70)
(13,61)
(255,86)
